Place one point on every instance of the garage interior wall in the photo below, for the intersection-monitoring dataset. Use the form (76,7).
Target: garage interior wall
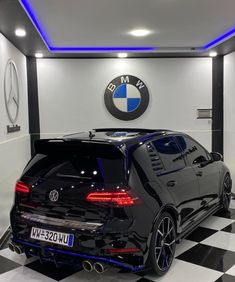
(14,147)
(71,94)
(229,112)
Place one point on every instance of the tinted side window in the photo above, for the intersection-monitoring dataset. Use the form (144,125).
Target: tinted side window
(169,153)
(195,153)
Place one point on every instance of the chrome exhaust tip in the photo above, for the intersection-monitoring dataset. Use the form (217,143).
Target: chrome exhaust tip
(100,268)
(87,265)
(18,250)
(11,247)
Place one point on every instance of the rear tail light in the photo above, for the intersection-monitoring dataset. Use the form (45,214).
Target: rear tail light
(21,187)
(122,199)
(123,251)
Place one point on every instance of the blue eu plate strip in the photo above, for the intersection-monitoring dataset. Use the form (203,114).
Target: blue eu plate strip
(71,237)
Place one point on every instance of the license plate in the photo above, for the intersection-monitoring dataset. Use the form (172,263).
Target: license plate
(59,238)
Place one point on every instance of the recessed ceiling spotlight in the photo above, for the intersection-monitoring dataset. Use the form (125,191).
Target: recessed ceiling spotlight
(38,55)
(20,32)
(213,54)
(122,55)
(140,32)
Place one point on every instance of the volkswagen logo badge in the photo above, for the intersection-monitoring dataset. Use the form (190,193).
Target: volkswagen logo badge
(54,196)
(11,91)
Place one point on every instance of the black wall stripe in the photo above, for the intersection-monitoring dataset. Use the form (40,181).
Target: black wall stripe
(218,104)
(34,123)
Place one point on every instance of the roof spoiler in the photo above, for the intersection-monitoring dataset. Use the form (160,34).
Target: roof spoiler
(80,147)
(144,130)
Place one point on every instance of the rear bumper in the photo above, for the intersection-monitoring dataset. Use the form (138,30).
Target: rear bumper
(60,256)
(88,244)
(92,243)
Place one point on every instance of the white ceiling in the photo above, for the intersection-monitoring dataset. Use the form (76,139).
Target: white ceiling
(174,23)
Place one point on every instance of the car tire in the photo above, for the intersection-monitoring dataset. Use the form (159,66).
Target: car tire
(226,192)
(162,246)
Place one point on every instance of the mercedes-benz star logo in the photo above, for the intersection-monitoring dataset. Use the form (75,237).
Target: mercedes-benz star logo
(54,196)
(11,91)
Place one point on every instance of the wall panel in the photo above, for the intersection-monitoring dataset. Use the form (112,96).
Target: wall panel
(71,94)
(14,147)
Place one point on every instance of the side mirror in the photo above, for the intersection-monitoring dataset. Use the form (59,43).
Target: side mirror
(216,157)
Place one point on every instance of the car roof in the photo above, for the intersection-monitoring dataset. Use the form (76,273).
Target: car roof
(116,136)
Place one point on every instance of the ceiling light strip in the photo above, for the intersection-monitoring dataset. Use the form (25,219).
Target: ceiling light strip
(25,4)
(220,39)
(31,15)
(100,49)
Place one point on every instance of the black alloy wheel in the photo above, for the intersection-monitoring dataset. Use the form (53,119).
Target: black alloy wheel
(163,243)
(226,194)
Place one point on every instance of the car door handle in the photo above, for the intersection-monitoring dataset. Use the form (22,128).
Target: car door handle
(199,173)
(171,183)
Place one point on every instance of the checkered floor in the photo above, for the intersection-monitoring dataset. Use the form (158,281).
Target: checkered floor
(206,255)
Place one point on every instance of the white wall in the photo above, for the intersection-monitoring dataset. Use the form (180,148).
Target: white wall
(14,147)
(229,112)
(71,94)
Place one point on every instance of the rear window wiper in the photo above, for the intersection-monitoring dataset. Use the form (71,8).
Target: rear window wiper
(72,176)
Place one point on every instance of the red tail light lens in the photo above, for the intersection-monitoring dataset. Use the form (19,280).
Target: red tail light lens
(122,199)
(21,187)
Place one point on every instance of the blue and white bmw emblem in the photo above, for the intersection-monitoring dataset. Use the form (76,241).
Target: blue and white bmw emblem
(126,97)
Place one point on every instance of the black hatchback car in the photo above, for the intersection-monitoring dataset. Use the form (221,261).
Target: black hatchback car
(121,197)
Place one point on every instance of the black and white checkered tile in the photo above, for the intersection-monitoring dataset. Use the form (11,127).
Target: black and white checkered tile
(206,255)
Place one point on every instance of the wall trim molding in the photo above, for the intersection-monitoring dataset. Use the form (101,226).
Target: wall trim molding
(13,139)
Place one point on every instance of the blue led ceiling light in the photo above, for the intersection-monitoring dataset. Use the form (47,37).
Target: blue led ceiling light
(25,4)
(93,49)
(34,20)
(219,39)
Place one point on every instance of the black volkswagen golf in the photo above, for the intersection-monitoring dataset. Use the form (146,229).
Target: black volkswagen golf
(121,197)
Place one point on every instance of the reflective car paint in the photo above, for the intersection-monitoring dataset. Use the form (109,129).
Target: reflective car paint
(187,196)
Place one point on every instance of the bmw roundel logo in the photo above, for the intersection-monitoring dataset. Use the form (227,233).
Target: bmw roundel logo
(126,97)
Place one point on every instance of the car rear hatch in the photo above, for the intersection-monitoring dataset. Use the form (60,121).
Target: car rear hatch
(76,184)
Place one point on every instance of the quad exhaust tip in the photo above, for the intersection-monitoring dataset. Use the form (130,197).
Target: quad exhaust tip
(97,266)
(15,248)
(11,247)
(100,268)
(87,266)
(18,250)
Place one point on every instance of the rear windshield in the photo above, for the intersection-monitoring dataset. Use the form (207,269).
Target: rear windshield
(78,165)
